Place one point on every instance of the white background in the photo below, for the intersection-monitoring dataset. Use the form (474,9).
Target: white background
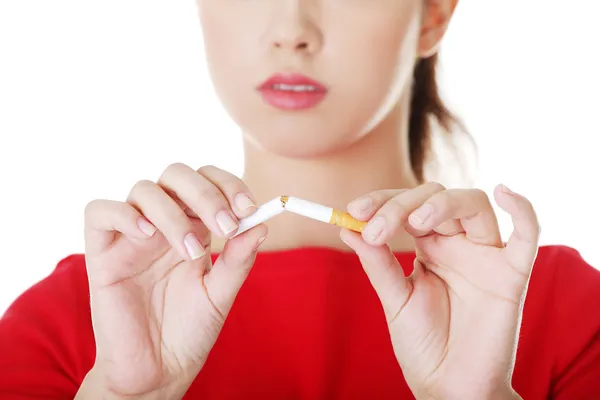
(97,95)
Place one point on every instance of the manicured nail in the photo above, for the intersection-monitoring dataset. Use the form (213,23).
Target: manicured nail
(506,190)
(362,204)
(146,227)
(421,214)
(374,228)
(260,241)
(226,223)
(243,202)
(193,246)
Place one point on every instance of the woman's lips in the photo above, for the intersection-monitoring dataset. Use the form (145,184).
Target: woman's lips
(292,92)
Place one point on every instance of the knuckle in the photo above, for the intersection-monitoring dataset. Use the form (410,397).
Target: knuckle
(176,166)
(481,196)
(397,208)
(234,185)
(172,219)
(125,210)
(479,193)
(180,222)
(207,169)
(224,180)
(444,202)
(93,207)
(142,186)
(383,196)
(376,198)
(436,186)
(102,210)
(207,196)
(172,169)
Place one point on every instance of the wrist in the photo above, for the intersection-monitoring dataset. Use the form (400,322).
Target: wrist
(96,386)
(507,393)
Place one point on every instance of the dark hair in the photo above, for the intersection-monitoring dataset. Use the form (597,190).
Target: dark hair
(427,107)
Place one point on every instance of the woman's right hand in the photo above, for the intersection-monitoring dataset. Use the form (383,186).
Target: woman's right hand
(157,302)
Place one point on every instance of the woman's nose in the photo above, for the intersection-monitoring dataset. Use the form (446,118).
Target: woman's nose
(294,29)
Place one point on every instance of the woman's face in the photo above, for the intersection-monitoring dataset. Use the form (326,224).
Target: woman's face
(305,77)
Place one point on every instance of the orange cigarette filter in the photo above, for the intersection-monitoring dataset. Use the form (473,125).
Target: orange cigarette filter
(322,213)
(345,220)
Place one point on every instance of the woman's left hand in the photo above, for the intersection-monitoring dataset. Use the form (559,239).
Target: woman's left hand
(454,322)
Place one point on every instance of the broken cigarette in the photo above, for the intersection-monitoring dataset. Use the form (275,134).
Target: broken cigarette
(262,214)
(301,207)
(322,213)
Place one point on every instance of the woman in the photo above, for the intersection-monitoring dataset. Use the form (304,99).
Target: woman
(425,303)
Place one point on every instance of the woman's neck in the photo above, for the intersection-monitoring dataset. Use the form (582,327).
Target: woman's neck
(380,160)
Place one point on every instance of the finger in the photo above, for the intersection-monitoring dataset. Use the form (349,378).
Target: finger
(365,207)
(522,246)
(471,206)
(235,190)
(105,218)
(164,213)
(231,268)
(394,211)
(449,228)
(384,272)
(202,197)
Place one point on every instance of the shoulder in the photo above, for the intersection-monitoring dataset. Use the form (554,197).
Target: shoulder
(66,283)
(48,329)
(63,290)
(566,284)
(562,256)
(560,267)
(561,322)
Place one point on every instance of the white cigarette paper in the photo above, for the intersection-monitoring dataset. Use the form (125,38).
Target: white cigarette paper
(262,214)
(301,207)
(308,209)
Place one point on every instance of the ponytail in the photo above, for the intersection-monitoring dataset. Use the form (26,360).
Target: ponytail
(426,107)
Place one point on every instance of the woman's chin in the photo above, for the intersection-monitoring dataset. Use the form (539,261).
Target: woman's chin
(301,137)
(296,144)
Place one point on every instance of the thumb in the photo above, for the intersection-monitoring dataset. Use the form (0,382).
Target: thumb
(384,272)
(231,268)
(522,246)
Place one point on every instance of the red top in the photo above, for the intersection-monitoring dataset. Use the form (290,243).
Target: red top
(307,324)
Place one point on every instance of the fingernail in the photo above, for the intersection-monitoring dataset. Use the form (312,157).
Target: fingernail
(506,190)
(374,228)
(193,246)
(362,203)
(347,244)
(260,241)
(243,202)
(146,227)
(225,222)
(421,214)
